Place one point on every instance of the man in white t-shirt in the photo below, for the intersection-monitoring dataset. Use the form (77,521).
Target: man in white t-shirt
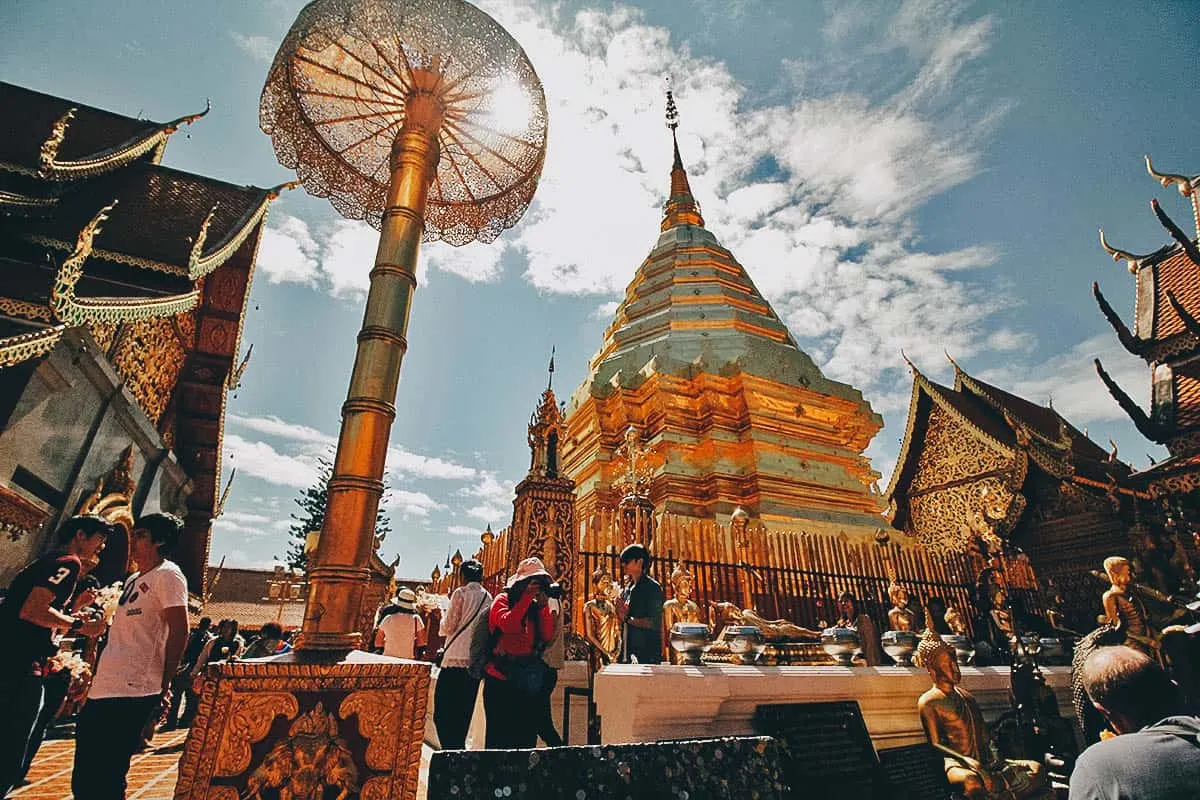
(133,677)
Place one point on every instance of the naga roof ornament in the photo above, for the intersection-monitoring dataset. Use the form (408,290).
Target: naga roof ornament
(51,166)
(79,311)
(1134,261)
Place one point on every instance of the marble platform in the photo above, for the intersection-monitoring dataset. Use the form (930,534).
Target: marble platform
(650,703)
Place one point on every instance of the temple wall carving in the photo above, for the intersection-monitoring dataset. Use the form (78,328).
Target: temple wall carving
(81,418)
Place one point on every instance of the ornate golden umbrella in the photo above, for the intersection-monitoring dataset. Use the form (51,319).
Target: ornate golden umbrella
(425,118)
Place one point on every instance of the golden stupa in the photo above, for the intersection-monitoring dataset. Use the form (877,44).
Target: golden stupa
(732,413)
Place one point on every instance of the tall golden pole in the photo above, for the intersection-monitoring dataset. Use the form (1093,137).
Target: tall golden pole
(340,574)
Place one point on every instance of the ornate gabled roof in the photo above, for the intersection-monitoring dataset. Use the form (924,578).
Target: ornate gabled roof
(51,137)
(165,220)
(1004,421)
(1168,284)
(966,409)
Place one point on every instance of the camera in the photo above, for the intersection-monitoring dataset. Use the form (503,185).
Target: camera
(554,591)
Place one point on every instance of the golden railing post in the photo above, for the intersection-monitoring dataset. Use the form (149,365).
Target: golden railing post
(339,574)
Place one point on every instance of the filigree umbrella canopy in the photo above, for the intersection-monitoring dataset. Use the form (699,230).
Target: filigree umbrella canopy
(335,99)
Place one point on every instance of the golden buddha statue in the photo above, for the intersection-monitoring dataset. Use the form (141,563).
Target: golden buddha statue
(954,725)
(601,625)
(681,607)
(1124,611)
(956,622)
(900,618)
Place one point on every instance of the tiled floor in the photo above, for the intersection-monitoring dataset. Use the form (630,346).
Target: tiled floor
(151,774)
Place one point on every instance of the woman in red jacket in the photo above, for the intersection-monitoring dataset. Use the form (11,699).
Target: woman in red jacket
(520,625)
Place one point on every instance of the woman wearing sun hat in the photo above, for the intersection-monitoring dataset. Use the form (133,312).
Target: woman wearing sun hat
(520,625)
(403,632)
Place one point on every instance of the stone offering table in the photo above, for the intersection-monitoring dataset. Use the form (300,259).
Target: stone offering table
(650,703)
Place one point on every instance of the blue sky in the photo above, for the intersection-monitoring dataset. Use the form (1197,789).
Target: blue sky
(924,175)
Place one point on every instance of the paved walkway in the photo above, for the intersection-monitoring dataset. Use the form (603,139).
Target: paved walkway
(151,774)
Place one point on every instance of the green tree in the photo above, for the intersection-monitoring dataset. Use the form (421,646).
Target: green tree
(312,502)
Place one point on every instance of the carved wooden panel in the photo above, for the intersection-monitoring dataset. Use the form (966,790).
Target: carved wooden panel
(953,452)
(149,356)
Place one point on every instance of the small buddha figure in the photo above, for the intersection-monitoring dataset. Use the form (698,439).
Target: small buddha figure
(868,635)
(1124,611)
(1003,629)
(956,622)
(954,725)
(900,618)
(601,625)
(681,607)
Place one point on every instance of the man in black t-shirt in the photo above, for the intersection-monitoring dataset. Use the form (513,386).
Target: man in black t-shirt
(640,608)
(32,610)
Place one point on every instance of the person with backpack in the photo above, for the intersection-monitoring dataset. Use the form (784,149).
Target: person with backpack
(463,658)
(520,626)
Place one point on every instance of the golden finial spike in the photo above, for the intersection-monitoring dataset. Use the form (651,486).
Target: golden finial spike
(275,191)
(1186,185)
(175,124)
(49,151)
(225,494)
(198,242)
(1134,261)
(235,378)
(911,365)
(672,110)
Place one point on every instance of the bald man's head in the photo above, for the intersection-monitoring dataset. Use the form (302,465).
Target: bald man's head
(1129,687)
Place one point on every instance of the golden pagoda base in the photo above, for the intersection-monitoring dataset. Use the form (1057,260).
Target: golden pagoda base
(303,723)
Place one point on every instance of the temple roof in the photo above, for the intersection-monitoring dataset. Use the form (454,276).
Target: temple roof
(1167,289)
(159,215)
(93,140)
(1006,421)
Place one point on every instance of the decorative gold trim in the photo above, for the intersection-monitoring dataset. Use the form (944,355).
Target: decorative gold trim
(195,268)
(13,199)
(51,167)
(73,311)
(20,308)
(15,349)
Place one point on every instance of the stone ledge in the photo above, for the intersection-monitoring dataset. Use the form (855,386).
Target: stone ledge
(646,703)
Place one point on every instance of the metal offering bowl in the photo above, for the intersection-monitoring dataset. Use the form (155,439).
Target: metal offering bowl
(688,639)
(745,641)
(900,645)
(964,650)
(841,644)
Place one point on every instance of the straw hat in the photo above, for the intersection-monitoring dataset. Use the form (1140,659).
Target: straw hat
(407,600)
(529,568)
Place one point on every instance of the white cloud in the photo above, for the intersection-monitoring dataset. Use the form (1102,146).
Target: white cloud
(1070,380)
(464,530)
(272,425)
(260,48)
(261,460)
(492,499)
(409,463)
(412,504)
(347,256)
(288,252)
(477,263)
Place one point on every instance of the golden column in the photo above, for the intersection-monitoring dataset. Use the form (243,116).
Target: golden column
(426,119)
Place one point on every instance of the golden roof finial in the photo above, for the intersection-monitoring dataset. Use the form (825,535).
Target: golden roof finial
(911,365)
(550,382)
(1187,186)
(198,242)
(1134,261)
(49,151)
(682,208)
(62,294)
(188,119)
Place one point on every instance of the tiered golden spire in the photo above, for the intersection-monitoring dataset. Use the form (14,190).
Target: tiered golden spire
(682,208)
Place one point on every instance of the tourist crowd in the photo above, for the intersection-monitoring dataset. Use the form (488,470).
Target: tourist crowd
(146,664)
